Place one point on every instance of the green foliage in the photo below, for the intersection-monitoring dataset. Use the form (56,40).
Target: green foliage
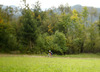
(7,38)
(60,41)
(56,43)
(29,28)
(41,43)
(65,23)
(61,30)
(85,15)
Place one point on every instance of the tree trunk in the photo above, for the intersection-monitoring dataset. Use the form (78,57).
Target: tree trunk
(82,48)
(30,44)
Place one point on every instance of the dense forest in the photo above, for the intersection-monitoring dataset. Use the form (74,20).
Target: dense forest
(61,30)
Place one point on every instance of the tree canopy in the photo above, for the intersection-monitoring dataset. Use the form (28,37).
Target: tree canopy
(62,30)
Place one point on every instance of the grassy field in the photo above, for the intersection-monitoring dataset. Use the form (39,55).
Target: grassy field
(68,63)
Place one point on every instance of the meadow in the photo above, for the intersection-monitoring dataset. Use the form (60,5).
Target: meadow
(68,63)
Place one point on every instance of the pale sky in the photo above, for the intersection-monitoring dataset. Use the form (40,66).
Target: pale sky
(55,3)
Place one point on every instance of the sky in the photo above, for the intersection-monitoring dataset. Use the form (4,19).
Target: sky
(55,3)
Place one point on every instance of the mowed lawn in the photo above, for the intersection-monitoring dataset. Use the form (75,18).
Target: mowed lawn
(48,64)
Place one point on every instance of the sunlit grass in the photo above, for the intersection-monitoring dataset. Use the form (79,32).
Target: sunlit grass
(84,55)
(48,64)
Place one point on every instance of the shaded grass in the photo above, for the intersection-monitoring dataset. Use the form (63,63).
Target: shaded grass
(50,64)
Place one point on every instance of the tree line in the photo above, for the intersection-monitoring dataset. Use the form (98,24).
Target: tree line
(61,30)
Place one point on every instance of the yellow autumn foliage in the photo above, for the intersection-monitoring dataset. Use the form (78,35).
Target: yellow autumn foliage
(1,20)
(50,28)
(33,14)
(39,17)
(75,15)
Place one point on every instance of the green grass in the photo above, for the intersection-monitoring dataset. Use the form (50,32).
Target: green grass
(84,55)
(50,64)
